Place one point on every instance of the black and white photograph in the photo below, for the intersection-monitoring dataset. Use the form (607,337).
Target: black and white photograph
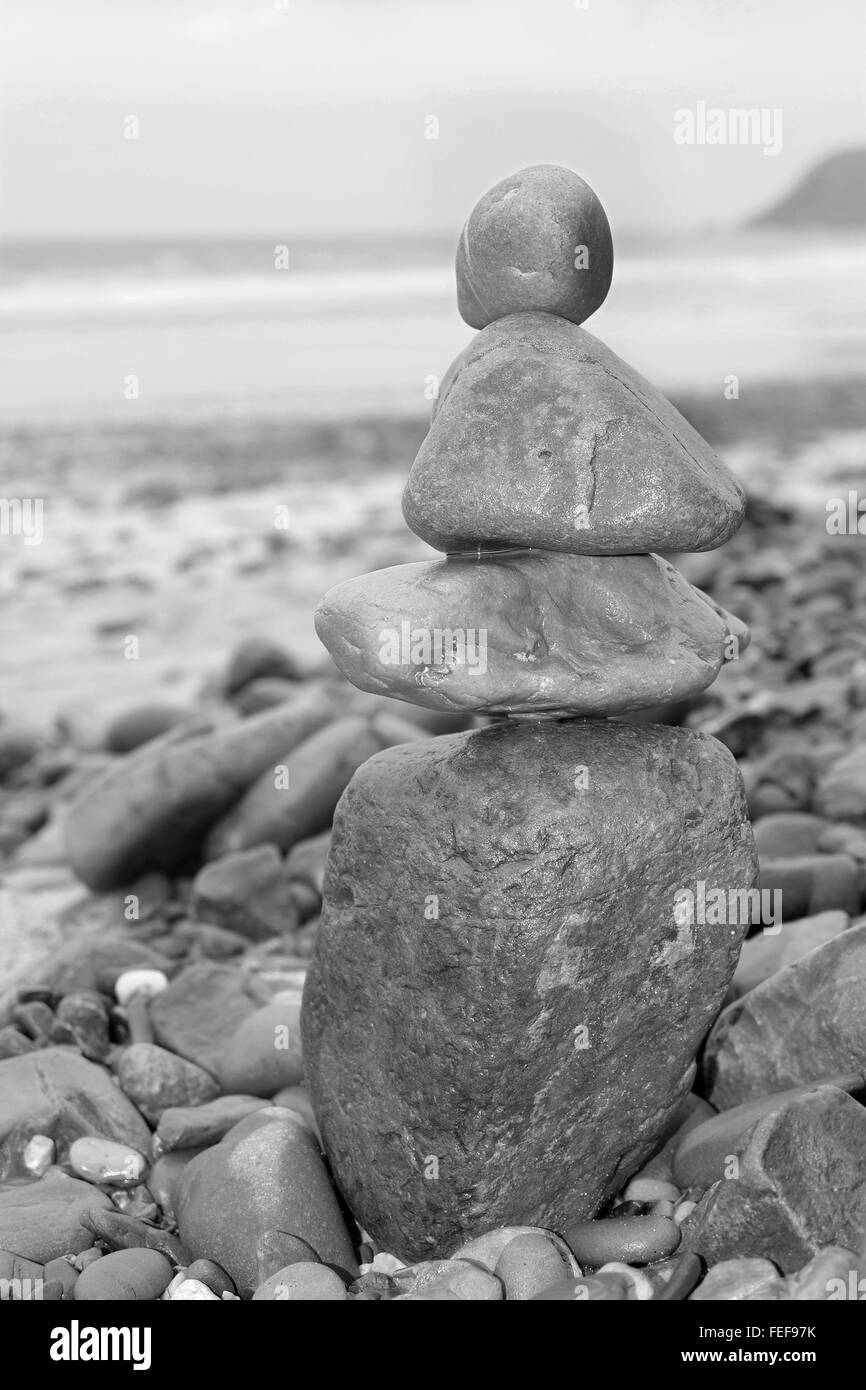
(433,700)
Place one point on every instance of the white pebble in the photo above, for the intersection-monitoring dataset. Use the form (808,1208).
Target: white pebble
(146,983)
(179,1278)
(194,1289)
(103,1161)
(383,1263)
(642,1286)
(39,1155)
(683,1210)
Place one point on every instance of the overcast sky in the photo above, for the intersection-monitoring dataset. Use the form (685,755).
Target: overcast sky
(309,115)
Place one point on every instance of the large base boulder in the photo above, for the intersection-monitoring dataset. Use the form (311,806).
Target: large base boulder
(508,992)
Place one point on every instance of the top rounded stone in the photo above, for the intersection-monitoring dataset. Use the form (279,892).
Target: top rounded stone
(539,240)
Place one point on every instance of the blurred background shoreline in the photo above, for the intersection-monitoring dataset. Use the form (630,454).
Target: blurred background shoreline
(357,325)
(308,389)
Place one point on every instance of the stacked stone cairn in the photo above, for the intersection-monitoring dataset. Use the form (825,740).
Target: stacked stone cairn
(506,996)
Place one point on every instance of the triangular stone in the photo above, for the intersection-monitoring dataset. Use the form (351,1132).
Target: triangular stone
(543,437)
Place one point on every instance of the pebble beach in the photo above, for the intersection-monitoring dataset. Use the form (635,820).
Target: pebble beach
(212,1069)
(156,1002)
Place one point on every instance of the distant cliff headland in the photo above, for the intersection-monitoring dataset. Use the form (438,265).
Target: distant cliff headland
(831,194)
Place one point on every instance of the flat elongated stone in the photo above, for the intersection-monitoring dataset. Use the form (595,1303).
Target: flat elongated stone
(502,1011)
(121,1232)
(528,632)
(282,811)
(153,809)
(185,1126)
(701,1157)
(542,436)
(637,1240)
(539,239)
